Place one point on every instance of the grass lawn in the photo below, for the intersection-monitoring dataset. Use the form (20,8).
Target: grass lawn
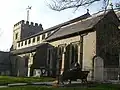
(9,79)
(98,87)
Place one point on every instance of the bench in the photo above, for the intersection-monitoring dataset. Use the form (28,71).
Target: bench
(73,75)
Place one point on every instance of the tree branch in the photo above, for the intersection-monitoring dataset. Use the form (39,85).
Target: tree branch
(59,5)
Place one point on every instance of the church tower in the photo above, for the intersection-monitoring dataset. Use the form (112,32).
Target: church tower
(24,29)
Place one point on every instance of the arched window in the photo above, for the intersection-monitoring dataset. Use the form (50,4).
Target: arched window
(25,42)
(74,53)
(21,43)
(29,41)
(33,39)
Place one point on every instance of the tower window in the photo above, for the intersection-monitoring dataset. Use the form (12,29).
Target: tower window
(16,35)
(33,40)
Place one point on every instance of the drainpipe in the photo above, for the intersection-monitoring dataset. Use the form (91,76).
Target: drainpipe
(81,51)
(119,69)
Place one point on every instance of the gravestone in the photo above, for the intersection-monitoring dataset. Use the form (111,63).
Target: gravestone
(98,69)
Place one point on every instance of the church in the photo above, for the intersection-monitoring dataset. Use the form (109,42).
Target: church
(93,41)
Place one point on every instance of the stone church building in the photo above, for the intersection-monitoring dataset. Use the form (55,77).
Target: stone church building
(91,40)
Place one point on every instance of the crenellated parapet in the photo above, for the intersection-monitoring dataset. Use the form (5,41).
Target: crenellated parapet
(28,24)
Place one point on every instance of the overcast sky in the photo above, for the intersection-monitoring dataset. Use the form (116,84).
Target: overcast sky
(12,11)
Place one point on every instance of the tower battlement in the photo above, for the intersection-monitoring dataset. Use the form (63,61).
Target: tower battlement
(27,23)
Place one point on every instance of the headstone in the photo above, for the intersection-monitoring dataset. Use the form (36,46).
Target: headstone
(37,73)
(98,69)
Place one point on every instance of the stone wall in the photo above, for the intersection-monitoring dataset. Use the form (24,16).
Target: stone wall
(108,45)
(111,74)
(89,51)
(24,30)
(108,38)
(21,64)
(5,64)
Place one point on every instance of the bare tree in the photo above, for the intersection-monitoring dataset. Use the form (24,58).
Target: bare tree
(118,5)
(59,5)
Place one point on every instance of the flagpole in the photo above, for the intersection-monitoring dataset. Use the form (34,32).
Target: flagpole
(28,9)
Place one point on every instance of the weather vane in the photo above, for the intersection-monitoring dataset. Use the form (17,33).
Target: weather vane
(28,9)
(111,5)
